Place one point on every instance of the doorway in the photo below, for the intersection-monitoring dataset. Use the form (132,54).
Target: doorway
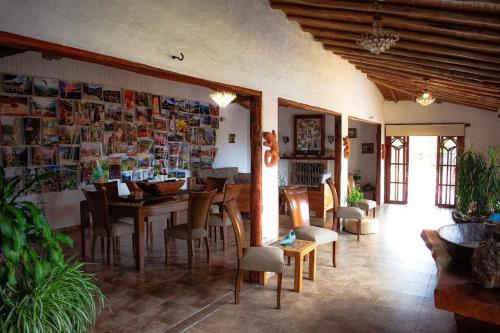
(422,173)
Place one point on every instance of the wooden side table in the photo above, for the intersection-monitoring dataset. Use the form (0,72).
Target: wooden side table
(299,250)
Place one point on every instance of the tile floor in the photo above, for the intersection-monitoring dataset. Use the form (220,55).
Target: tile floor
(384,283)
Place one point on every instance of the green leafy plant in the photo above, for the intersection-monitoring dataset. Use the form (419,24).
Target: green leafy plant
(478,183)
(354,196)
(40,291)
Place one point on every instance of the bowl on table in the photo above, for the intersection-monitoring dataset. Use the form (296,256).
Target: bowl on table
(161,188)
(462,239)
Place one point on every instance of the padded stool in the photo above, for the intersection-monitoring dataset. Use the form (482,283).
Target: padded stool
(368,226)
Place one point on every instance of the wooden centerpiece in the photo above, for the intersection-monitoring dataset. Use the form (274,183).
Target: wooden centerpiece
(161,188)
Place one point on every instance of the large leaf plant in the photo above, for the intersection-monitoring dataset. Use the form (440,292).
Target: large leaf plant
(40,290)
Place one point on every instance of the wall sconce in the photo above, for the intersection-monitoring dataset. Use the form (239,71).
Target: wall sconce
(285,139)
(331,139)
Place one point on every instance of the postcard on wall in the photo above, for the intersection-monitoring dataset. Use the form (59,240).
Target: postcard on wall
(68,155)
(50,133)
(44,155)
(205,110)
(160,152)
(183,105)
(15,172)
(92,92)
(65,112)
(186,150)
(128,133)
(129,163)
(17,84)
(131,150)
(205,121)
(114,112)
(195,151)
(143,114)
(129,100)
(214,110)
(70,89)
(115,166)
(14,157)
(175,148)
(97,113)
(160,124)
(215,123)
(206,152)
(194,107)
(172,173)
(13,105)
(144,161)
(69,135)
(91,134)
(112,95)
(195,166)
(145,130)
(82,116)
(127,176)
(173,162)
(209,136)
(52,184)
(94,171)
(168,104)
(194,121)
(160,167)
(10,131)
(69,178)
(181,126)
(32,131)
(160,139)
(90,150)
(45,87)
(142,99)
(155,105)
(29,175)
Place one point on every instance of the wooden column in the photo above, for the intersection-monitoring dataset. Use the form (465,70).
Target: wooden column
(256,169)
(338,152)
(378,169)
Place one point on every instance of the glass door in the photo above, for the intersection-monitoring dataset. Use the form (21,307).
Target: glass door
(396,169)
(448,150)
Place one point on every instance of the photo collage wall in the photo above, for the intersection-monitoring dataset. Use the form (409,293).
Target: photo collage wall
(90,133)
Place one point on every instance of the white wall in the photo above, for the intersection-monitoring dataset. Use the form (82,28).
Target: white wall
(484,127)
(245,43)
(366,163)
(60,208)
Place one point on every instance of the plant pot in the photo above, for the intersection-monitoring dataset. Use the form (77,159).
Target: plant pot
(463,218)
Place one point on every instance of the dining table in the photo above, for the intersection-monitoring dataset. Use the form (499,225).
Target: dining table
(139,210)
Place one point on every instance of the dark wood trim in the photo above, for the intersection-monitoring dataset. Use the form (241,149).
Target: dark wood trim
(338,153)
(28,43)
(297,117)
(292,104)
(378,168)
(256,169)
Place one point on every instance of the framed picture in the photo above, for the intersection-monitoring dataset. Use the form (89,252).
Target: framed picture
(232,138)
(367,148)
(309,138)
(352,133)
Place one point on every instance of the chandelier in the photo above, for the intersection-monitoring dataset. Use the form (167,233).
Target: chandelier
(222,98)
(426,98)
(377,41)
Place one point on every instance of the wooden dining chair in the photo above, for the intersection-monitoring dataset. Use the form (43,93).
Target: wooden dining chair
(257,259)
(218,221)
(341,213)
(298,204)
(365,204)
(102,226)
(196,227)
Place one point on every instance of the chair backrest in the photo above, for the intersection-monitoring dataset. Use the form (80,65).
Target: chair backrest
(298,203)
(331,184)
(111,189)
(239,232)
(98,205)
(350,183)
(198,209)
(232,191)
(214,183)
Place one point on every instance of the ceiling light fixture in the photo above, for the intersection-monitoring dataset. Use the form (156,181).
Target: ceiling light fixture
(426,98)
(377,41)
(222,98)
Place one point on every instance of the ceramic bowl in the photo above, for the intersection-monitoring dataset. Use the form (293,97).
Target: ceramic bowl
(161,188)
(462,239)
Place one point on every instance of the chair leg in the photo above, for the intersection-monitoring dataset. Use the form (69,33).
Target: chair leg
(224,238)
(165,239)
(109,251)
(102,246)
(146,226)
(289,258)
(359,229)
(239,281)
(334,254)
(280,280)
(190,253)
(151,234)
(92,248)
(207,248)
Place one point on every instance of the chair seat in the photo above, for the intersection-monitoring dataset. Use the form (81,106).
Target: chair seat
(216,220)
(350,213)
(316,234)
(117,229)
(263,259)
(180,231)
(366,204)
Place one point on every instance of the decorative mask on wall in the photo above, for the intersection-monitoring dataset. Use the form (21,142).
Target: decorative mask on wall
(347,147)
(271,155)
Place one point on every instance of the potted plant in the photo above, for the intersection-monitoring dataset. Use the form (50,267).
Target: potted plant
(478,186)
(356,175)
(354,196)
(40,290)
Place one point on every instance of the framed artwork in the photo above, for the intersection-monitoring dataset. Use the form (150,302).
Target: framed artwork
(309,134)
(352,133)
(232,138)
(367,148)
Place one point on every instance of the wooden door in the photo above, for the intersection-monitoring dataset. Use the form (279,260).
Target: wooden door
(396,169)
(448,150)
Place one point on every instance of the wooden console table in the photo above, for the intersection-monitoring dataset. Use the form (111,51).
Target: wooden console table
(476,309)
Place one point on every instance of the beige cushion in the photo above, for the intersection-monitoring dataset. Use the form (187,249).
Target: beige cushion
(366,204)
(350,213)
(316,234)
(368,226)
(180,231)
(117,229)
(263,259)
(242,178)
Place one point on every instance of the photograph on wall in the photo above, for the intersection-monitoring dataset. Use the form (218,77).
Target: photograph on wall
(129,100)
(50,133)
(143,114)
(205,121)
(43,155)
(160,167)
(128,133)
(82,117)
(142,99)
(173,162)
(155,105)
(194,121)
(205,110)
(45,87)
(214,123)
(214,110)
(194,107)
(69,178)
(32,131)
(17,84)
(13,105)
(183,105)
(10,131)
(115,166)
(160,139)
(91,134)
(143,161)
(29,175)
(352,133)
(195,166)
(92,92)
(114,112)
(168,104)
(15,172)
(160,124)
(112,95)
(172,173)
(90,150)
(160,152)
(367,148)
(100,170)
(68,155)
(209,136)
(41,106)
(65,112)
(207,152)
(181,125)
(69,135)
(145,146)
(52,184)
(129,163)
(14,157)
(70,89)
(175,148)
(144,130)
(97,113)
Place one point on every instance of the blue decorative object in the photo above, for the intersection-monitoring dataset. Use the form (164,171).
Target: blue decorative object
(495,217)
(289,239)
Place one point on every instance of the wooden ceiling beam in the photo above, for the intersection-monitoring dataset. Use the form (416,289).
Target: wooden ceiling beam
(424,36)
(393,95)
(321,34)
(487,7)
(405,27)
(437,15)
